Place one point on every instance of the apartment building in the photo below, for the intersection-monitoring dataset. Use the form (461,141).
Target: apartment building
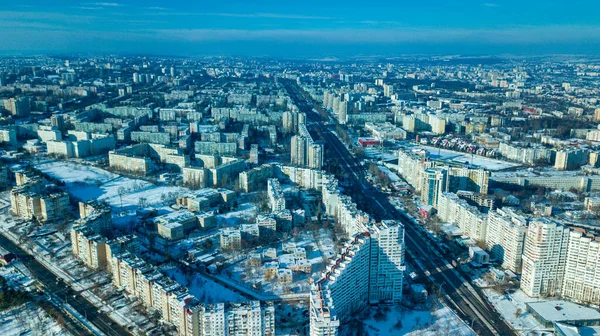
(368,270)
(275,195)
(454,210)
(323,319)
(34,200)
(582,269)
(569,159)
(305,177)
(8,136)
(544,258)
(253,159)
(215,148)
(81,144)
(95,215)
(89,247)
(505,238)
(386,262)
(232,319)
(255,178)
(435,182)
(305,152)
(267,222)
(230,239)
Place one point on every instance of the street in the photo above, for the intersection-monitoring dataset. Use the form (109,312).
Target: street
(55,286)
(461,295)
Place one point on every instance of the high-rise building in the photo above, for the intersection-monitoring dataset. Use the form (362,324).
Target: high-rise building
(582,269)
(435,182)
(301,118)
(275,194)
(386,262)
(369,270)
(58,121)
(388,90)
(18,107)
(253,154)
(343,113)
(571,159)
(304,151)
(290,121)
(544,258)
(506,237)
(438,125)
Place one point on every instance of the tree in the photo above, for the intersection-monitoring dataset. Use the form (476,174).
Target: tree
(518,312)
(142,202)
(417,321)
(121,192)
(379,316)
(398,325)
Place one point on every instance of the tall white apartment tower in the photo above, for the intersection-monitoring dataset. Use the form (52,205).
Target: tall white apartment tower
(387,262)
(544,258)
(505,238)
(582,270)
(368,270)
(343,113)
(304,151)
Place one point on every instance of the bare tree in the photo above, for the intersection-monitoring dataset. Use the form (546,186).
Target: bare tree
(122,191)
(142,202)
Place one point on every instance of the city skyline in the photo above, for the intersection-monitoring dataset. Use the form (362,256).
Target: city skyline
(310,29)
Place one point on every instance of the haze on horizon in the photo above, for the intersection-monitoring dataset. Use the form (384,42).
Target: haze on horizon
(301,29)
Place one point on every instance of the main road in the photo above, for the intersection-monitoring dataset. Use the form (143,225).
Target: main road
(422,251)
(62,291)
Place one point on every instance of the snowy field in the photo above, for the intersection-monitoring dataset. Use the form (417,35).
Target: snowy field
(122,193)
(87,183)
(244,214)
(440,321)
(513,309)
(459,157)
(29,319)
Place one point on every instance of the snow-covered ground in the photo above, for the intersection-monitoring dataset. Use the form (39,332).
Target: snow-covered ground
(71,173)
(122,193)
(513,309)
(245,213)
(86,183)
(29,319)
(399,321)
(202,288)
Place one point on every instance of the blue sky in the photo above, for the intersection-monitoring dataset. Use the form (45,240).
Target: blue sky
(306,28)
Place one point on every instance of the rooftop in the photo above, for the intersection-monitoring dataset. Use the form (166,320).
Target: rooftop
(557,311)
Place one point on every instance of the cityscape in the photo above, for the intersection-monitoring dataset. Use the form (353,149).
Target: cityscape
(218,193)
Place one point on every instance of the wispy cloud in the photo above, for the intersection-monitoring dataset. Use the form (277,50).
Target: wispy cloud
(507,35)
(250,15)
(34,37)
(104,4)
(376,22)
(489,4)
(88,8)
(46,17)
